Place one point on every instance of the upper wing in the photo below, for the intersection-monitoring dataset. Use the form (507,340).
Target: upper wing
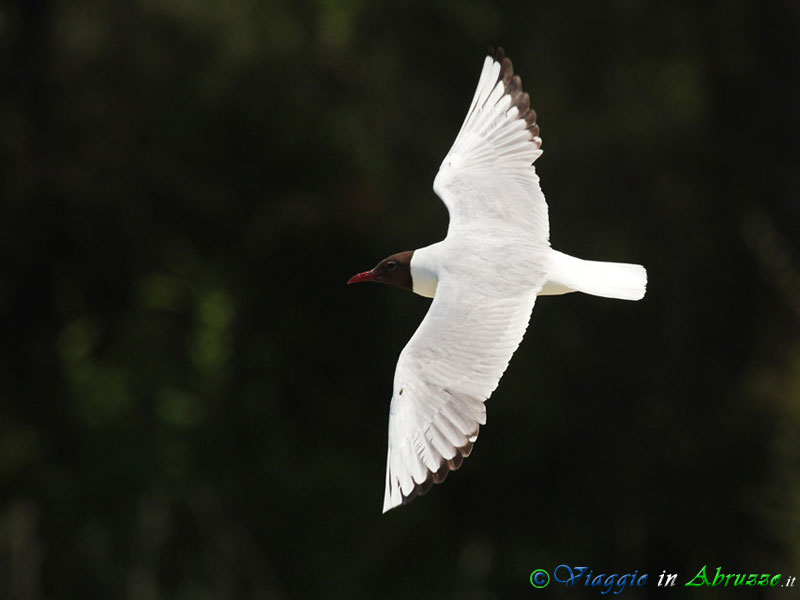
(488,174)
(449,367)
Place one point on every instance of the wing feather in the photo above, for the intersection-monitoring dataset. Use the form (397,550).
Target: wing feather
(446,372)
(488,175)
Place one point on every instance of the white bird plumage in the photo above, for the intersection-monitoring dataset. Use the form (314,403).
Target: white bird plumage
(484,278)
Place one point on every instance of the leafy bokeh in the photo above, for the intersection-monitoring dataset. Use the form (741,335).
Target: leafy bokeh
(193,404)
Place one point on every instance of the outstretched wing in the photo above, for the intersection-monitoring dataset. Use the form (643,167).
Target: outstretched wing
(446,372)
(488,175)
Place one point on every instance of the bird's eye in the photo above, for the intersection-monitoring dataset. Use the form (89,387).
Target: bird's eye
(391,265)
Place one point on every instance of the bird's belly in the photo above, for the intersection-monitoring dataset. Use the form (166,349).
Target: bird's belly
(504,264)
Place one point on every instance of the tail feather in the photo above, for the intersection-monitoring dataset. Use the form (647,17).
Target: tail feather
(566,274)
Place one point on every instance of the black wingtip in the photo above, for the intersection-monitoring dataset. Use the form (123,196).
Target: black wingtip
(513,87)
(441,473)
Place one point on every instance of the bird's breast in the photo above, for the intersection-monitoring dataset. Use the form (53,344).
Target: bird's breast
(423,279)
(425,268)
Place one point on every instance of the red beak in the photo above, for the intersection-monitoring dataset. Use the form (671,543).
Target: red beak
(365,276)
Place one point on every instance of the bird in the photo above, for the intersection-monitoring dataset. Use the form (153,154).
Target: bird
(484,278)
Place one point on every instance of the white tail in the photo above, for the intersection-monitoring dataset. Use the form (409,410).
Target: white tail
(608,279)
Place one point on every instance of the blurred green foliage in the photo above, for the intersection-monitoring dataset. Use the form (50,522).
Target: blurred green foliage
(193,404)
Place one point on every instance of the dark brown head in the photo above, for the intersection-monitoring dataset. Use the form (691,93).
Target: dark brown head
(394,270)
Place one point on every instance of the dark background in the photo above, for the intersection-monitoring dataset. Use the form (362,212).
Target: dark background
(194,405)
